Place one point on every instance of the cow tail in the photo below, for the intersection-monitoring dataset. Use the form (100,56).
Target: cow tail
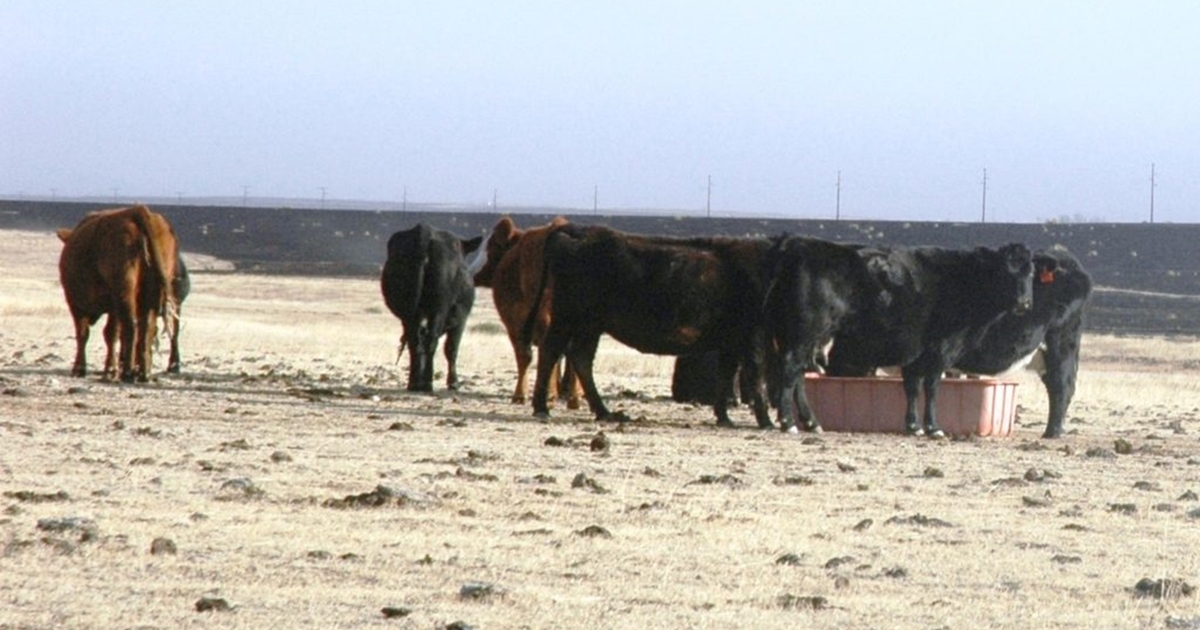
(424,237)
(162,262)
(526,338)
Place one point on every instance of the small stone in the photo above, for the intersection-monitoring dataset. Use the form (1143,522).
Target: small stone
(212,604)
(840,582)
(479,591)
(808,602)
(400,426)
(1163,588)
(789,559)
(896,572)
(864,525)
(163,546)
(846,466)
(932,472)
(554,441)
(396,612)
(1122,446)
(600,443)
(280,457)
(594,531)
(1065,559)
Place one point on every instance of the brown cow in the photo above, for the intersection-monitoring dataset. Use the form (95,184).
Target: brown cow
(120,263)
(513,271)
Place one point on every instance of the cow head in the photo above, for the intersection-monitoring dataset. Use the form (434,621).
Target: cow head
(1018,275)
(503,238)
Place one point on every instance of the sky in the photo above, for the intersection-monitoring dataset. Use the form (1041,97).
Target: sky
(626,105)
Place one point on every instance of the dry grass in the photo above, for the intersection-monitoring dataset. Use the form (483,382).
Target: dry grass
(290,385)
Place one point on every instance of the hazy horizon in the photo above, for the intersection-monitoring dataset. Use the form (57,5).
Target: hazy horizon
(624,106)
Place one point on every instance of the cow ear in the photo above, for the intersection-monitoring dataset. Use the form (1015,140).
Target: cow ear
(471,245)
(64,234)
(504,228)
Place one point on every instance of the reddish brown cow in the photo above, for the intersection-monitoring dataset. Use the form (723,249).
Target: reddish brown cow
(120,263)
(513,271)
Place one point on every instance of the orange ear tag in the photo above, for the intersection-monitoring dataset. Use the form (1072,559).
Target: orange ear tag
(1046,276)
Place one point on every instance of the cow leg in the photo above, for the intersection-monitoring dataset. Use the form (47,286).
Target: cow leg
(932,381)
(83,329)
(1062,364)
(173,318)
(110,347)
(581,354)
(791,398)
(912,386)
(453,339)
(127,325)
(146,337)
(524,355)
(418,359)
(727,367)
(549,352)
(571,385)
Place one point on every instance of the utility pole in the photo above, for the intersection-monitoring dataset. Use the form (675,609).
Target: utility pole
(708,204)
(322,197)
(494,208)
(837,208)
(179,198)
(245,194)
(596,199)
(1152,185)
(404,201)
(983,211)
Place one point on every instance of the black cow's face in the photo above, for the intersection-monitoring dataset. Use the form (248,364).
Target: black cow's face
(1018,261)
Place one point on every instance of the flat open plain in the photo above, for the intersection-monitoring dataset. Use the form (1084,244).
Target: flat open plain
(297,482)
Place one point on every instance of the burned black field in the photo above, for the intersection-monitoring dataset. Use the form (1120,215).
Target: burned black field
(1147,275)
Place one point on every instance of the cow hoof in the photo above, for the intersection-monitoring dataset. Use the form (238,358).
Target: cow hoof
(937,434)
(574,404)
(518,400)
(541,415)
(725,424)
(1050,435)
(814,428)
(914,431)
(793,430)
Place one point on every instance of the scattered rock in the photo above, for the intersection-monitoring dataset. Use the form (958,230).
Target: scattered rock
(28,496)
(236,445)
(932,472)
(67,524)
(896,572)
(789,559)
(917,519)
(401,426)
(594,531)
(1122,446)
(1064,559)
(1122,508)
(840,582)
(600,443)
(712,480)
(281,457)
(864,525)
(1148,486)
(319,554)
(395,612)
(805,602)
(379,497)
(793,480)
(582,481)
(163,546)
(459,625)
(650,472)
(240,488)
(554,441)
(1188,496)
(834,563)
(212,604)
(1036,502)
(479,591)
(1163,588)
(846,466)
(1097,452)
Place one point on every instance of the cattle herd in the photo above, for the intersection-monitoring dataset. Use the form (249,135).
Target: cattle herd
(745,317)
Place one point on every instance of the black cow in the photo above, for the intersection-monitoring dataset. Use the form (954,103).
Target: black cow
(939,305)
(672,297)
(425,283)
(1061,291)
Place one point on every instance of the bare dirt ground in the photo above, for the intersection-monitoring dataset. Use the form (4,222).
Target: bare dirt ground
(288,476)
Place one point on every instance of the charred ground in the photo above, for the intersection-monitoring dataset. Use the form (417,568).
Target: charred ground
(1147,275)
